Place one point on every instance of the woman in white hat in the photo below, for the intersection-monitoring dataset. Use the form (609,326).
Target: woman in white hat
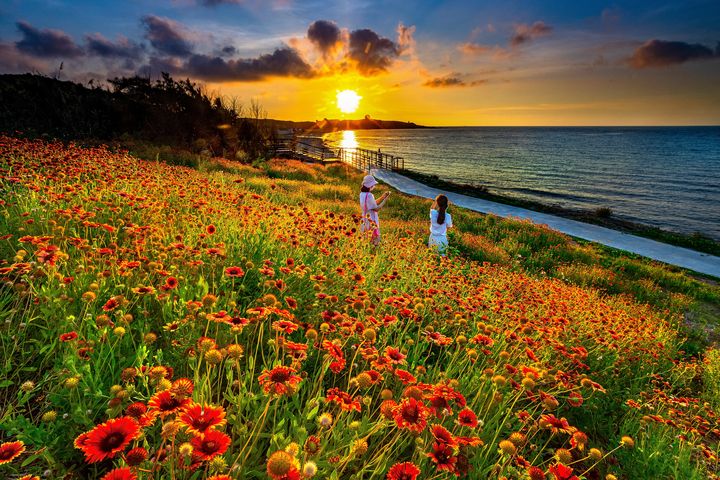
(371,220)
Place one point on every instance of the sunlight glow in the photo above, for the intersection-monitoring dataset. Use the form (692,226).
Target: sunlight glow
(348,141)
(348,101)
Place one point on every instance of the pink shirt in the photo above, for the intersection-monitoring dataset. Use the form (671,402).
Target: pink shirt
(368,205)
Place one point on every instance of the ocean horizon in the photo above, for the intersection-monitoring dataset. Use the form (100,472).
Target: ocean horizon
(666,177)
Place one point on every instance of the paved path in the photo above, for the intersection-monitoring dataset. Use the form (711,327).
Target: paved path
(682,257)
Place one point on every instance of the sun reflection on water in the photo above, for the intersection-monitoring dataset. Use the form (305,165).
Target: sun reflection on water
(348,141)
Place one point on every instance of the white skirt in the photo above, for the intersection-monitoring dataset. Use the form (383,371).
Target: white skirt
(440,242)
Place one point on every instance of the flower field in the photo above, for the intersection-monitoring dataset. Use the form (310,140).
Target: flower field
(162,322)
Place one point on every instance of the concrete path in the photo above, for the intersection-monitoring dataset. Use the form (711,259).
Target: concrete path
(682,257)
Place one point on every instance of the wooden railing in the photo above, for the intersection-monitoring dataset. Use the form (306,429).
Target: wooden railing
(360,158)
(364,159)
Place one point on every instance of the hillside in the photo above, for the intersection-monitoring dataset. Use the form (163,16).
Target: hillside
(231,322)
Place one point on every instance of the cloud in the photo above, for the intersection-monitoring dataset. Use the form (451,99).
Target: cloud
(441,82)
(452,80)
(283,62)
(13,61)
(661,53)
(228,51)
(406,40)
(325,35)
(97,44)
(372,53)
(167,36)
(46,42)
(524,33)
(470,48)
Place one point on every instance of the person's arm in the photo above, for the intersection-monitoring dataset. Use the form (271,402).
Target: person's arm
(384,198)
(449,220)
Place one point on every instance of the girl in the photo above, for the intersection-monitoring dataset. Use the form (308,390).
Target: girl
(371,221)
(440,221)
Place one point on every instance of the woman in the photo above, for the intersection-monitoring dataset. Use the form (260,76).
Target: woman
(370,208)
(440,221)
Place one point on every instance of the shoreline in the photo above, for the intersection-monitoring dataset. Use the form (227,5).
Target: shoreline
(601,217)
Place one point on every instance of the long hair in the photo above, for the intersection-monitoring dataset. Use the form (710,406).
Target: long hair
(441,204)
(364,189)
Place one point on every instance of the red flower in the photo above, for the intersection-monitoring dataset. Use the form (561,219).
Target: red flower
(404,376)
(562,472)
(411,414)
(199,419)
(165,403)
(442,456)
(209,445)
(9,451)
(171,282)
(67,337)
(291,302)
(29,477)
(344,399)
(442,435)
(234,272)
(136,456)
(393,355)
(285,326)
(123,473)
(575,399)
(210,229)
(109,438)
(279,380)
(535,473)
(403,471)
(111,304)
(467,418)
(555,424)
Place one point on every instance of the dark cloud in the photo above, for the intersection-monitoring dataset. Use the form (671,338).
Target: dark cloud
(452,80)
(46,42)
(228,51)
(167,36)
(660,53)
(122,48)
(324,34)
(524,33)
(283,62)
(441,82)
(372,53)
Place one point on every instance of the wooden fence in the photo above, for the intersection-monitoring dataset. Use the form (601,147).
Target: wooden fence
(360,158)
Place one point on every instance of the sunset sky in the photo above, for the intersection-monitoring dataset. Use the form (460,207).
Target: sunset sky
(432,62)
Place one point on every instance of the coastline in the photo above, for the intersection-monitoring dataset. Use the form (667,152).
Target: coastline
(601,217)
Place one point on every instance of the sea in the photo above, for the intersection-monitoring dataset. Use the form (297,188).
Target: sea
(667,177)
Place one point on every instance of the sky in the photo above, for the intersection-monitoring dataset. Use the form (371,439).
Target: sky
(582,62)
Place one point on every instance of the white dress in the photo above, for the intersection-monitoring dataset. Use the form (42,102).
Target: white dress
(370,216)
(438,232)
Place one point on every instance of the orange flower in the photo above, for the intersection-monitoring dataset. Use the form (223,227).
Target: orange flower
(109,438)
(165,403)
(403,471)
(123,473)
(234,272)
(279,381)
(199,419)
(209,445)
(9,451)
(411,414)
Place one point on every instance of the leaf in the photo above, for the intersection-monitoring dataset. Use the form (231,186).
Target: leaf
(312,413)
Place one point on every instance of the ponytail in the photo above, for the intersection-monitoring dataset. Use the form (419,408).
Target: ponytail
(441,202)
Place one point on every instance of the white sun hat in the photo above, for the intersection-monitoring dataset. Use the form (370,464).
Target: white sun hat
(369,181)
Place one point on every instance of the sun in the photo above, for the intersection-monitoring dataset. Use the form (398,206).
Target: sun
(348,101)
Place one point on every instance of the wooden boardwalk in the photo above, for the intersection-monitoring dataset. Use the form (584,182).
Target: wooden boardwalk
(360,158)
